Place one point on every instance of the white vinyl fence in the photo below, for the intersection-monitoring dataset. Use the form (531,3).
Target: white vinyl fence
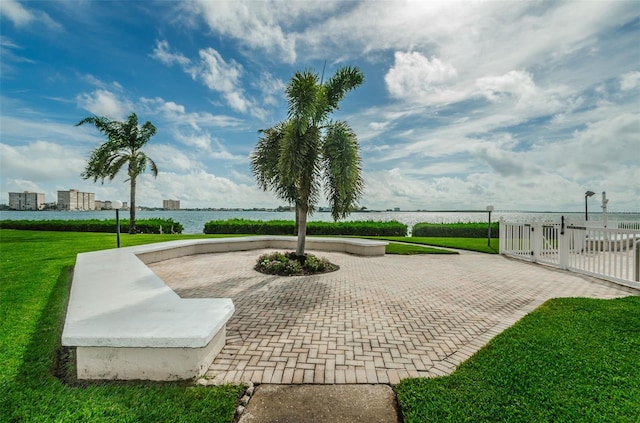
(609,253)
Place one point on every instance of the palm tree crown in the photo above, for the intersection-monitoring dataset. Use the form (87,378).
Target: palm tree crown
(295,156)
(125,141)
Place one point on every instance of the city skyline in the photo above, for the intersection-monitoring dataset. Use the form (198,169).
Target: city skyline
(522,105)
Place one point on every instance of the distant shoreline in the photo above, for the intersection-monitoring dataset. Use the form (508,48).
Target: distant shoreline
(194,220)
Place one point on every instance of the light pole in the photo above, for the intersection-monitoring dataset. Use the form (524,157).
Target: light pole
(489,209)
(586,210)
(604,208)
(117,205)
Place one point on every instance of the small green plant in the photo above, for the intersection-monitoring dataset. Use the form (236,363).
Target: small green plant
(289,264)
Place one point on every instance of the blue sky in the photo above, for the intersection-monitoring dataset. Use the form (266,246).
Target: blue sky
(523,105)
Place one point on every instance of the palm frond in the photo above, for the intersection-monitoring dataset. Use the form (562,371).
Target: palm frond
(344,80)
(154,167)
(117,161)
(266,155)
(302,94)
(265,162)
(342,169)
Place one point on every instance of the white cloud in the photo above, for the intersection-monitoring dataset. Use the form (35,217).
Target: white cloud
(215,73)
(605,147)
(18,130)
(199,188)
(177,114)
(105,103)
(20,16)
(200,140)
(518,84)
(14,11)
(172,159)
(266,25)
(378,126)
(41,161)
(272,88)
(629,81)
(161,52)
(414,77)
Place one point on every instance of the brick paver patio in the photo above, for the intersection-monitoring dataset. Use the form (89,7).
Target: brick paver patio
(376,320)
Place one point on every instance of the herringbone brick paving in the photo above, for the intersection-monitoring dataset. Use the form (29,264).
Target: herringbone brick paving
(376,320)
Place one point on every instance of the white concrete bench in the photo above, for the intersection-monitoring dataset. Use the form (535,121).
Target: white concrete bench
(126,323)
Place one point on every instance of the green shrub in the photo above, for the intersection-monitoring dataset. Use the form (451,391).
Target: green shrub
(359,228)
(147,226)
(455,230)
(245,226)
(287,227)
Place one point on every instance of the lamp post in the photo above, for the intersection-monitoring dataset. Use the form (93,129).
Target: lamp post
(117,205)
(586,211)
(489,209)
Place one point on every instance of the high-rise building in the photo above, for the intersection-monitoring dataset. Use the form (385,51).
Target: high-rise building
(76,200)
(26,200)
(171,204)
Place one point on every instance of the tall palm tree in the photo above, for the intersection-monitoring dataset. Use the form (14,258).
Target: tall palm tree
(295,156)
(125,141)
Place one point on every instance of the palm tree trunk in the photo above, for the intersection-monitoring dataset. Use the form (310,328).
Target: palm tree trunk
(132,207)
(302,231)
(296,225)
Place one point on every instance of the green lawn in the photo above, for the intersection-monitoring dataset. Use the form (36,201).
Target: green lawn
(409,249)
(34,288)
(471,244)
(571,360)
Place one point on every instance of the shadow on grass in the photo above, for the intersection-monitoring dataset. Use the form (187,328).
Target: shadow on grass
(46,389)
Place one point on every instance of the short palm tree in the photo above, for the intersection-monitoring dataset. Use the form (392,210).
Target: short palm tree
(295,156)
(125,141)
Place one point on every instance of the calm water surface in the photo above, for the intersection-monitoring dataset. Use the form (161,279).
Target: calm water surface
(193,221)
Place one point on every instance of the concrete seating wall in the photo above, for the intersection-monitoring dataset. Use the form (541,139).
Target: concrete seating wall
(126,323)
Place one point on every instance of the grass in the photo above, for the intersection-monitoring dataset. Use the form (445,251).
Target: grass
(34,288)
(470,244)
(571,360)
(409,249)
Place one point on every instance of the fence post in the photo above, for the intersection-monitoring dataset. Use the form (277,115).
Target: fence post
(563,247)
(636,267)
(536,240)
(501,236)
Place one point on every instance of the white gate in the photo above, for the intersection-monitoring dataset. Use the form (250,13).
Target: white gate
(612,254)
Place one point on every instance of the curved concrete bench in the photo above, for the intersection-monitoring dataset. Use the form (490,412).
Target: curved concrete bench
(126,323)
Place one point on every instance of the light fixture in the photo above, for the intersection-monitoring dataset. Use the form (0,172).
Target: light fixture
(586,211)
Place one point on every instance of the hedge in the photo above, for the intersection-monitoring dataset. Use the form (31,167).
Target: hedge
(287,227)
(455,230)
(147,226)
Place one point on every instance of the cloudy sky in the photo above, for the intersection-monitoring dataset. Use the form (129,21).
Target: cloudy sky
(523,105)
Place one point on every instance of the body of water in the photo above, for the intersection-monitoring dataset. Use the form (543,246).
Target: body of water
(193,221)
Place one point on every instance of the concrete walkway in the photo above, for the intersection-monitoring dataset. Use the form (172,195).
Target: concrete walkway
(375,321)
(322,403)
